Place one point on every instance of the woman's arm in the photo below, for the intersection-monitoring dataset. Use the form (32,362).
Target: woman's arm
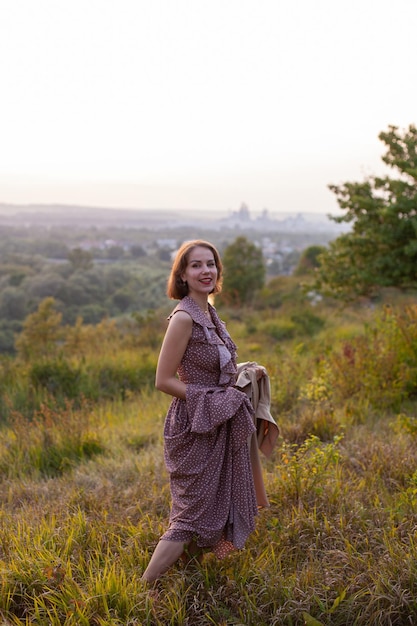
(173,347)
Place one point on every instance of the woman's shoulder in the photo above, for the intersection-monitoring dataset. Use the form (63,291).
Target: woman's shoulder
(181,316)
(180,322)
(182,309)
(187,306)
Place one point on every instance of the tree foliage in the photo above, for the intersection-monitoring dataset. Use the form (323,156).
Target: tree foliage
(41,332)
(381,248)
(309,260)
(244,271)
(80,259)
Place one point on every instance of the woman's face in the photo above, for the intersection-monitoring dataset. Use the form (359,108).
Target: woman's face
(201,271)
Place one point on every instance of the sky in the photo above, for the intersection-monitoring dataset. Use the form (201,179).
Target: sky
(200,104)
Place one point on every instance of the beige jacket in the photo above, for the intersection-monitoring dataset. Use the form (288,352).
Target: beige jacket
(267,431)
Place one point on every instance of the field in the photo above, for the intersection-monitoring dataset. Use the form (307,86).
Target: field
(84,494)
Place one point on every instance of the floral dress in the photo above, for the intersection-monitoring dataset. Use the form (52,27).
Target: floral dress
(206,442)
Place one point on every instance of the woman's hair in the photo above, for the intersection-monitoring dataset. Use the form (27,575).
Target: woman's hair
(177,289)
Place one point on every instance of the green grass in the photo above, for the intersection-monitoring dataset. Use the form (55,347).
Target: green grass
(84,495)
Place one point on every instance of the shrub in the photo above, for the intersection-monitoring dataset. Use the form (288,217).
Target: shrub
(98,380)
(305,469)
(378,368)
(59,378)
(6,341)
(307,323)
(279,329)
(113,380)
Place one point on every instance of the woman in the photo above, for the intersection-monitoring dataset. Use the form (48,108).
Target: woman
(208,423)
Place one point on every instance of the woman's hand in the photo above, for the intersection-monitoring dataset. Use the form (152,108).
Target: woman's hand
(260,371)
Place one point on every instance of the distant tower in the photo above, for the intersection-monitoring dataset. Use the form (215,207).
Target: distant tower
(244,212)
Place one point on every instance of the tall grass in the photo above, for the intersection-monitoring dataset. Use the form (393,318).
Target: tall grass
(84,494)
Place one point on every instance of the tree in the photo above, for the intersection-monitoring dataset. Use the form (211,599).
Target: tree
(12,304)
(41,332)
(309,260)
(137,251)
(381,249)
(115,252)
(80,259)
(244,271)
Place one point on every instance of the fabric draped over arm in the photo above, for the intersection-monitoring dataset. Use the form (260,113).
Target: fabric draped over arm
(211,407)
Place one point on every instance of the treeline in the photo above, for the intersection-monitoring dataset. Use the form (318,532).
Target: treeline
(92,273)
(93,283)
(91,292)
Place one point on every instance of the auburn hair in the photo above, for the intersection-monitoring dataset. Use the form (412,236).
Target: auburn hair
(177,289)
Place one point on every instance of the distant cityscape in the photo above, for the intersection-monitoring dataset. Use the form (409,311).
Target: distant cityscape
(241,219)
(113,234)
(297,222)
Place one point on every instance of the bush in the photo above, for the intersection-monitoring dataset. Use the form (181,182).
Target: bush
(7,338)
(59,378)
(279,329)
(378,369)
(307,323)
(98,380)
(116,380)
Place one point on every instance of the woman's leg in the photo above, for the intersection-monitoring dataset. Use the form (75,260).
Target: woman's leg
(166,554)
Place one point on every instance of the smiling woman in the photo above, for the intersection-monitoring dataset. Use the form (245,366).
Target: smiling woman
(208,424)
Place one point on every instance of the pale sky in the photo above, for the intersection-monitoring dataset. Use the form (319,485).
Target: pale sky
(200,104)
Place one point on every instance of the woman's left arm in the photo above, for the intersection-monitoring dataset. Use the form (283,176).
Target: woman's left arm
(173,347)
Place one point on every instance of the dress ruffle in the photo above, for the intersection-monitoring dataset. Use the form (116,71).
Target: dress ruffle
(209,408)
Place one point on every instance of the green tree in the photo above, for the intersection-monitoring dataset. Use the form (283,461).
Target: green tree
(115,252)
(12,304)
(137,251)
(244,272)
(309,260)
(41,332)
(80,259)
(381,248)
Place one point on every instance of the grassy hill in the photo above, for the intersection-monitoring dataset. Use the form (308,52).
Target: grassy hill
(84,494)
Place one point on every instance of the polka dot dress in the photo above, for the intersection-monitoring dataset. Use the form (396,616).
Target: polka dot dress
(206,435)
